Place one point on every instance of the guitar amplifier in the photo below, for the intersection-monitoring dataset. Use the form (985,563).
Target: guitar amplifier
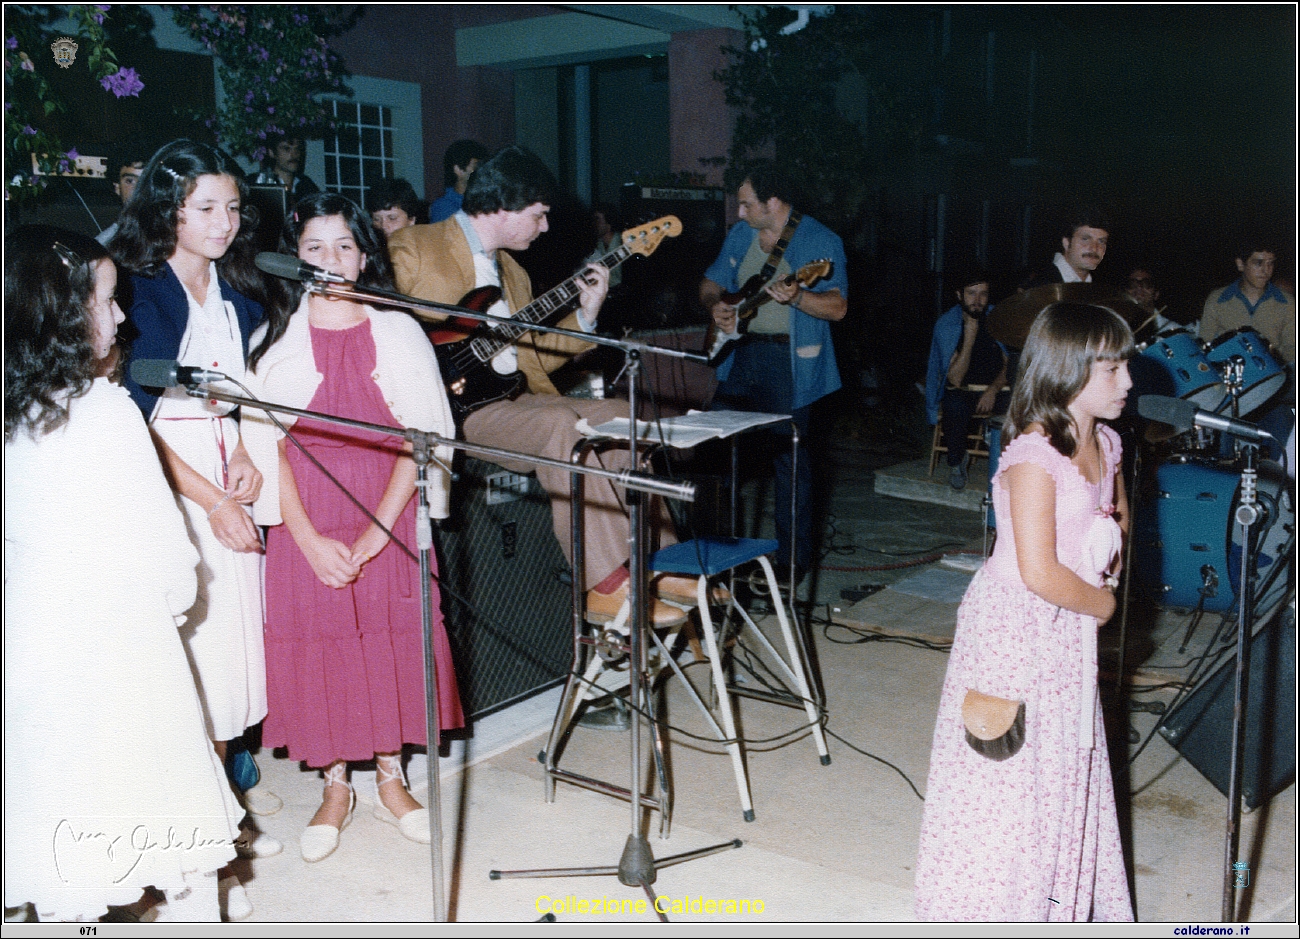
(505,591)
(672,275)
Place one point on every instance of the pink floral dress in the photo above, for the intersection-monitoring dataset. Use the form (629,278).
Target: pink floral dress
(1035,837)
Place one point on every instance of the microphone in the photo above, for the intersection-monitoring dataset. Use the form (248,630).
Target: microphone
(281,265)
(162,373)
(1183,415)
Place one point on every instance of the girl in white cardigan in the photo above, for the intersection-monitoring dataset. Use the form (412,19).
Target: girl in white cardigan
(345,677)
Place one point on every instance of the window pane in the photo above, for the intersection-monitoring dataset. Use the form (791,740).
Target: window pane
(369,114)
(349,172)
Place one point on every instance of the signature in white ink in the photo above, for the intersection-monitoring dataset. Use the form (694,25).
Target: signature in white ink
(77,850)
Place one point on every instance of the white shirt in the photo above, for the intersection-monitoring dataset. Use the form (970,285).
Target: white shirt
(1067,273)
(211,341)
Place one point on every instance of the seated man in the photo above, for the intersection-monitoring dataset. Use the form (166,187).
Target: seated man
(505,209)
(1254,301)
(963,353)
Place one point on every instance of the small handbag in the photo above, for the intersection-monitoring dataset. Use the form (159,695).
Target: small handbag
(995,727)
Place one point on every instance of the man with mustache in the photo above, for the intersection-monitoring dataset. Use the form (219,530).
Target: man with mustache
(1083,246)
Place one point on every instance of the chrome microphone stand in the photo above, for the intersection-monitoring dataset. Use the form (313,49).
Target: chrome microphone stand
(423,444)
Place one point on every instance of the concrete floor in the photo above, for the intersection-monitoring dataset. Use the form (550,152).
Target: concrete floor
(830,843)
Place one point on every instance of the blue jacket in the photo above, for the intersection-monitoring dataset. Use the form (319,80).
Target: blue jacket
(160,312)
(944,345)
(812,352)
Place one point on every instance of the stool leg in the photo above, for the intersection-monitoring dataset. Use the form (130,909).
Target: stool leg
(724,701)
(797,664)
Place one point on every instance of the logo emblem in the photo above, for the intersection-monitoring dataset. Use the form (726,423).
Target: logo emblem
(65,51)
(1240,874)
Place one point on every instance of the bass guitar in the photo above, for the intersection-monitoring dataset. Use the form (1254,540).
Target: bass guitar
(750,297)
(465,348)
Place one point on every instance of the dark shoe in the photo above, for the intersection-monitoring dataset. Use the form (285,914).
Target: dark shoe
(957,477)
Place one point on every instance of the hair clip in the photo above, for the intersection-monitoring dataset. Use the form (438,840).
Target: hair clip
(170,172)
(69,257)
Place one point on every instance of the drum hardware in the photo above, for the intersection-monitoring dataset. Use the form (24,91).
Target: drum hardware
(1247,362)
(1209,588)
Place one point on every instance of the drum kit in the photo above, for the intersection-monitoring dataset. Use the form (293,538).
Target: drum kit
(1187,547)
(1187,550)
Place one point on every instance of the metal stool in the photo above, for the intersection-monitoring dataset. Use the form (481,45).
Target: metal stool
(708,557)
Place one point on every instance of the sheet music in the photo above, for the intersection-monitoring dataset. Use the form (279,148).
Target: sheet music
(688,430)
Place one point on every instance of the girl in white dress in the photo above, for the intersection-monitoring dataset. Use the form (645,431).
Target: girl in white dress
(111,783)
(187,243)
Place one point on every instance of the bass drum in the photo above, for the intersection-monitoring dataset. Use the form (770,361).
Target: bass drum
(1187,535)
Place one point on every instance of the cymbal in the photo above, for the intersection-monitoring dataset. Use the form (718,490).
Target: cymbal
(1011,319)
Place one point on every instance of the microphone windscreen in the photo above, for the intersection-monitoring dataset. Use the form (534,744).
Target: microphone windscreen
(154,373)
(279,265)
(1173,411)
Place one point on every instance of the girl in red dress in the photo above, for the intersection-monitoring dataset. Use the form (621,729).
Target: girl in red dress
(345,678)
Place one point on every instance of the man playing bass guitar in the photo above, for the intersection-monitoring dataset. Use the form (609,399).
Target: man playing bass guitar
(505,208)
(788,360)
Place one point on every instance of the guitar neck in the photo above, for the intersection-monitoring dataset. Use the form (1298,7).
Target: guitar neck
(554,301)
(746,307)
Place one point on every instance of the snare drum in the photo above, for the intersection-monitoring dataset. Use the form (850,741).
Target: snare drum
(1262,376)
(1188,534)
(1185,371)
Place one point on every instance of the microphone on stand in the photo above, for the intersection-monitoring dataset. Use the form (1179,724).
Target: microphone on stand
(282,265)
(1183,415)
(164,373)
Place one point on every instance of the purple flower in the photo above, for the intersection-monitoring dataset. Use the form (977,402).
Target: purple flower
(73,154)
(12,42)
(29,130)
(270,109)
(27,64)
(125,82)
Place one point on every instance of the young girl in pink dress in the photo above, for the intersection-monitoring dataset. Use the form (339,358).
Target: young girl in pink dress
(1034,836)
(344,651)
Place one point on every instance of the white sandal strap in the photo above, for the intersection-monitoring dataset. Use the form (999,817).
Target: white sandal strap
(337,775)
(388,768)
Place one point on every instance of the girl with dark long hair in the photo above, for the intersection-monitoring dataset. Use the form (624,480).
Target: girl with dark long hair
(343,619)
(186,239)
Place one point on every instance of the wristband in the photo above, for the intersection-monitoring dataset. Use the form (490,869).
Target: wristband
(220,502)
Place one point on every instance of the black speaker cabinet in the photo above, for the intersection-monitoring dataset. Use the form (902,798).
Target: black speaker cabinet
(1201,727)
(505,594)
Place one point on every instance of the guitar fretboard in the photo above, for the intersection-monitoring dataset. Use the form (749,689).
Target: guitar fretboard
(554,301)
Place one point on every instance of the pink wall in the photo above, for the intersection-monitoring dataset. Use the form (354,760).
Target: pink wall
(417,43)
(699,121)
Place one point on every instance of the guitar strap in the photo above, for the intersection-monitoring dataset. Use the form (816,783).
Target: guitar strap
(778,250)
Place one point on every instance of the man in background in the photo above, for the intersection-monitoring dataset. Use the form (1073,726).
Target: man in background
(458,164)
(393,205)
(282,166)
(126,169)
(962,353)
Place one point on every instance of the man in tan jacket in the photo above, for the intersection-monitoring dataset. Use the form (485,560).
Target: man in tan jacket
(505,209)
